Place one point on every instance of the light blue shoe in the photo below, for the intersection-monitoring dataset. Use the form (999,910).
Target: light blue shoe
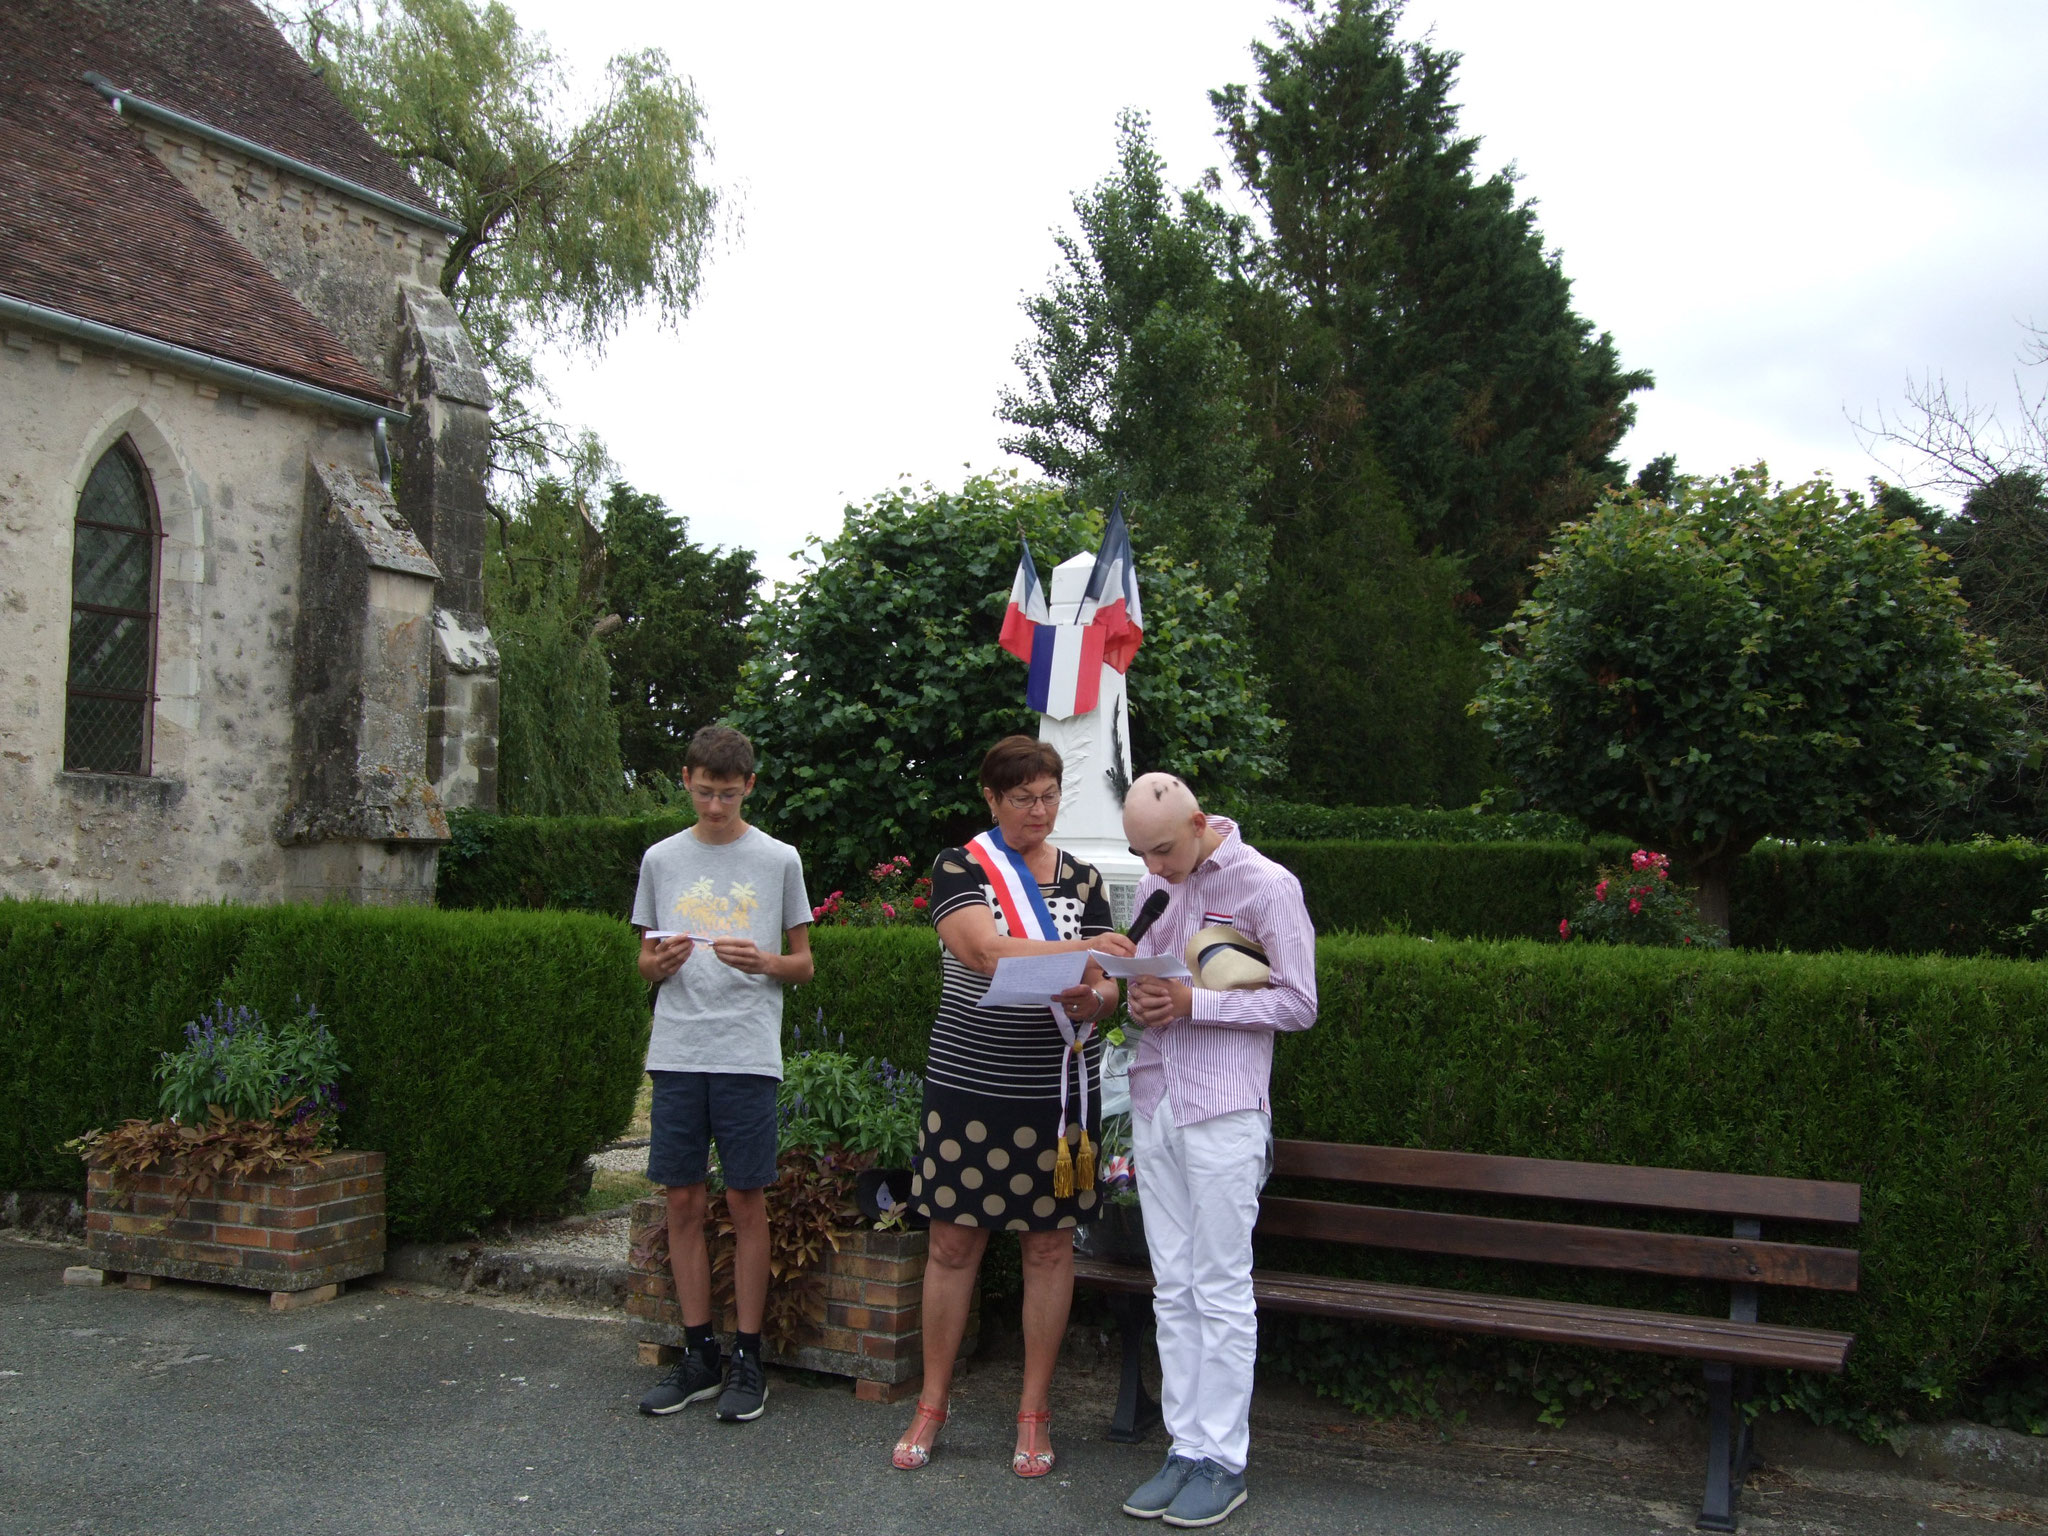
(1156,1497)
(1210,1495)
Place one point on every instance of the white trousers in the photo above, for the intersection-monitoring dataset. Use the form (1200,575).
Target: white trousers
(1198,1187)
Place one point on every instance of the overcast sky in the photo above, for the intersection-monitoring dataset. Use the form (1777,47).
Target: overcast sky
(1783,210)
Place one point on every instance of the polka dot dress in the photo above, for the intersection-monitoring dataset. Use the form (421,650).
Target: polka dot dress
(987,1140)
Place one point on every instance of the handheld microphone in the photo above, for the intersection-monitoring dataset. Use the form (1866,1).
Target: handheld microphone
(1155,904)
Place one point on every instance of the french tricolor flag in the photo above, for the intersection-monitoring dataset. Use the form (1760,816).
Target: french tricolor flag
(1111,604)
(1027,610)
(1066,660)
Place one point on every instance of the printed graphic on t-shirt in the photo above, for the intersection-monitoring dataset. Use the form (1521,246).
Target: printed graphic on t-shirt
(699,910)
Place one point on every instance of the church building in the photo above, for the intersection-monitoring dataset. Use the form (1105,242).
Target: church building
(243,452)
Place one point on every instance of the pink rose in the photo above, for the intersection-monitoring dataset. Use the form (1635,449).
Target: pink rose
(1564,927)
(888,910)
(918,902)
(1600,891)
(1634,906)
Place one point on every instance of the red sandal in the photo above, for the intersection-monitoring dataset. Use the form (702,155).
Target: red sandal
(909,1455)
(1033,1463)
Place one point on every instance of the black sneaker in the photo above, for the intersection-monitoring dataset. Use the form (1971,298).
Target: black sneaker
(746,1389)
(692,1379)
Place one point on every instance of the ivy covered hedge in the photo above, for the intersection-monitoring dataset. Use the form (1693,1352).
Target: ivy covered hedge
(1925,1080)
(489,1053)
(1906,899)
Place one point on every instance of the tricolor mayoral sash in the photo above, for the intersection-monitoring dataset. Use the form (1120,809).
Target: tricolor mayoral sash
(1026,915)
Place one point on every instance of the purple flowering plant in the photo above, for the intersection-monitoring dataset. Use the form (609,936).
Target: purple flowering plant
(248,1069)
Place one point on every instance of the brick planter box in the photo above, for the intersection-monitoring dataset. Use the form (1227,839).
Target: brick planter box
(295,1231)
(866,1319)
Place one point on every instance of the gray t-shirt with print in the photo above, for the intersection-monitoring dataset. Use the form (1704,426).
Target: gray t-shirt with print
(709,1017)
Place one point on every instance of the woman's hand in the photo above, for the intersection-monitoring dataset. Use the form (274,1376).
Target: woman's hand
(1113,944)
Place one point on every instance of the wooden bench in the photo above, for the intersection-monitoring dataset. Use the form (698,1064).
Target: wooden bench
(1744,1260)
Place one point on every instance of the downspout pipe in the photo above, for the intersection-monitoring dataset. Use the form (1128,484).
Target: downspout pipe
(127,103)
(257,381)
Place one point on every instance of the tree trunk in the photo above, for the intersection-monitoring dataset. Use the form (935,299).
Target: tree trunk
(1714,876)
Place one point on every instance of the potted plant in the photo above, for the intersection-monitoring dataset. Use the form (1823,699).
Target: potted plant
(239,1182)
(1116,1233)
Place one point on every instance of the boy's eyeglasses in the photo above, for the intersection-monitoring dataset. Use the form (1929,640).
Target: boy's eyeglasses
(719,796)
(1049,799)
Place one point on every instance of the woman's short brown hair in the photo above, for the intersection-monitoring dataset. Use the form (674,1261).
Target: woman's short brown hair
(1019,760)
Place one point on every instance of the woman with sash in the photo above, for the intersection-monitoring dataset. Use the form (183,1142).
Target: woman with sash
(1006,1139)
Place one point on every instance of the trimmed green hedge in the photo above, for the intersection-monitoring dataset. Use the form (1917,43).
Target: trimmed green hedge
(1925,1080)
(490,1053)
(1905,899)
(1288,821)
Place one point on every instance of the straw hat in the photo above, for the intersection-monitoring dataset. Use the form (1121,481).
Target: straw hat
(1224,960)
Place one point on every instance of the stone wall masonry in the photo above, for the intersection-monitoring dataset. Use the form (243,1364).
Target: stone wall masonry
(229,472)
(314,1225)
(362,658)
(344,260)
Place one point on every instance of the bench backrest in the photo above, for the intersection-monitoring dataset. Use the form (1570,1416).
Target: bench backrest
(1743,1258)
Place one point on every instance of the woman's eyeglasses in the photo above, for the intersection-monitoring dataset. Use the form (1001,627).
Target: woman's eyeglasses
(1049,800)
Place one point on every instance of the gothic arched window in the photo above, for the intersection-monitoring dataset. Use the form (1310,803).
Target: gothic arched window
(107,703)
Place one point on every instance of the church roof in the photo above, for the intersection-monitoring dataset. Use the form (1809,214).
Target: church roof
(93,224)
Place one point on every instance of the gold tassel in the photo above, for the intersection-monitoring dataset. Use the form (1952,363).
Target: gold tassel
(1063,1169)
(1084,1162)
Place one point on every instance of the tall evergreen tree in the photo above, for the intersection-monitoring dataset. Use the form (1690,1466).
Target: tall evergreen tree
(1132,382)
(676,653)
(1431,332)
(558,739)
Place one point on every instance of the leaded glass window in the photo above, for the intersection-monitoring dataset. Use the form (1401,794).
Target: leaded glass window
(113,619)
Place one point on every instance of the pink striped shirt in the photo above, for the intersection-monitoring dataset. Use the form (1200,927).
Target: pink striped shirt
(1221,1059)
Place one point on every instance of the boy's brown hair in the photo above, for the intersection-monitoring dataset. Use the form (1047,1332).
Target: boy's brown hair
(720,751)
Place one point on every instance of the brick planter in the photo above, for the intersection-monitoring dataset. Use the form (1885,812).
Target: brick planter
(294,1232)
(866,1320)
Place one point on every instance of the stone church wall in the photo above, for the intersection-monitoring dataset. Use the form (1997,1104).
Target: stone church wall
(230,475)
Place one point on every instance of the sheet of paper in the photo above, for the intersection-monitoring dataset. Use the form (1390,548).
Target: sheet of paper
(697,938)
(1172,967)
(1032,981)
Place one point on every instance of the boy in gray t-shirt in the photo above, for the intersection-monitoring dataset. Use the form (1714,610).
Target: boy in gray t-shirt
(717,904)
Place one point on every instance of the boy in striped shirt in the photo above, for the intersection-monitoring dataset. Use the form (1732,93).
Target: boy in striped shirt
(1202,1130)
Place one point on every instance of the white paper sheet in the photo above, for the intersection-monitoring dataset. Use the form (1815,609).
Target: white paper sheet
(1172,967)
(1033,981)
(695,938)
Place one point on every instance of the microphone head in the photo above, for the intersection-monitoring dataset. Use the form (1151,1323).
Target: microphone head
(1148,914)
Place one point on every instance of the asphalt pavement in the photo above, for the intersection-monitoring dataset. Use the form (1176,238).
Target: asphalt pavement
(195,1409)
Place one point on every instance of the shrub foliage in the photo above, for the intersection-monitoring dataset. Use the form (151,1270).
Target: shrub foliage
(1924,1080)
(489,1053)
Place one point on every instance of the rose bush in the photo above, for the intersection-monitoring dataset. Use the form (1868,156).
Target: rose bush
(893,896)
(1639,904)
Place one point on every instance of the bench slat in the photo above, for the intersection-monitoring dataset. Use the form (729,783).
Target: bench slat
(1557,1322)
(1744,1261)
(1668,1189)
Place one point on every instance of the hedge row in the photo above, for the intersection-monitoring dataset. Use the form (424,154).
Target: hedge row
(1961,900)
(1288,821)
(489,1053)
(1925,1080)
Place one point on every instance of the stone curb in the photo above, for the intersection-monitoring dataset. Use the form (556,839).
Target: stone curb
(509,1272)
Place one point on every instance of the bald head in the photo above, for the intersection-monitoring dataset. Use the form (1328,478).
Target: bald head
(1158,803)
(1166,827)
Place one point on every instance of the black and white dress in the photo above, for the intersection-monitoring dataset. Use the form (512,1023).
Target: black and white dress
(988,1135)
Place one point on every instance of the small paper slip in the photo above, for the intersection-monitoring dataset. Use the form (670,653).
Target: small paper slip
(1032,981)
(694,938)
(1171,967)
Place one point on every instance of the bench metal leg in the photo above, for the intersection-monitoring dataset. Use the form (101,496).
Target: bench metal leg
(1724,1479)
(1136,1412)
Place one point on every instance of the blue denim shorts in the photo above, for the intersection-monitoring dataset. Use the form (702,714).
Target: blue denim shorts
(694,1109)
